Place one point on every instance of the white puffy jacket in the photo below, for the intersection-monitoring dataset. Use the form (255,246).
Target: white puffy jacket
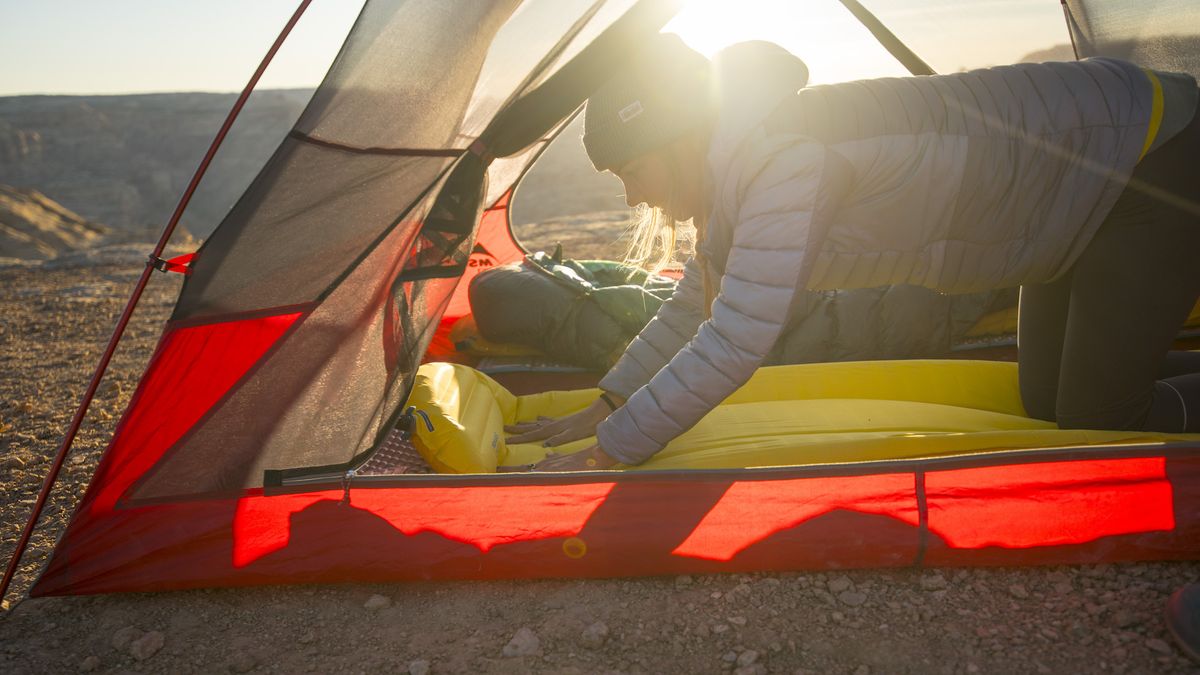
(980,180)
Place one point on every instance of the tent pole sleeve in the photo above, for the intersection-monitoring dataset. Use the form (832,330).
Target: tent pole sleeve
(888,39)
(123,321)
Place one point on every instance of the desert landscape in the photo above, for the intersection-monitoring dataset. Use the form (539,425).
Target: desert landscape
(86,181)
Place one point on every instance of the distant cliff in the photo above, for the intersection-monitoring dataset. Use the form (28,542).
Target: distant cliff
(124,160)
(33,226)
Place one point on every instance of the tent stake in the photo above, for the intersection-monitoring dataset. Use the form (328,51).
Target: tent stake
(123,321)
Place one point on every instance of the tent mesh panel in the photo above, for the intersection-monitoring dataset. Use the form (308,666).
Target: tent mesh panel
(1162,34)
(367,214)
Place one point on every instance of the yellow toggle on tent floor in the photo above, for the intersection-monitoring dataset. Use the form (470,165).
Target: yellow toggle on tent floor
(785,415)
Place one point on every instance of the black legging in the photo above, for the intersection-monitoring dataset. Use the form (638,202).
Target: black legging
(1093,345)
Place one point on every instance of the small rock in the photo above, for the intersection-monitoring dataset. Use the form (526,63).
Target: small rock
(933,582)
(89,664)
(377,602)
(594,636)
(308,637)
(840,584)
(747,658)
(683,581)
(1158,646)
(242,662)
(852,598)
(125,637)
(720,628)
(1018,591)
(864,669)
(523,643)
(418,667)
(12,462)
(753,669)
(730,657)
(737,620)
(147,645)
(1124,618)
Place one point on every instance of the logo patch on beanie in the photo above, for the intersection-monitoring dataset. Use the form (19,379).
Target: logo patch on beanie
(631,111)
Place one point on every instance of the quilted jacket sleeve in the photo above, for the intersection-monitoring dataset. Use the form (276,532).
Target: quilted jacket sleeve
(779,197)
(672,326)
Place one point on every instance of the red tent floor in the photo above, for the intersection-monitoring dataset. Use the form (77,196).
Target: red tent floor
(1014,508)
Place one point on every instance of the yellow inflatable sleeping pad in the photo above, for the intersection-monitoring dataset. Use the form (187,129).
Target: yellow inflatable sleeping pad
(785,415)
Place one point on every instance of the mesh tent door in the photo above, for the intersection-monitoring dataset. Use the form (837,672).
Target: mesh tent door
(1162,34)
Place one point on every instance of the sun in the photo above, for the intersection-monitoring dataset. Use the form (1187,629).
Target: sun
(832,43)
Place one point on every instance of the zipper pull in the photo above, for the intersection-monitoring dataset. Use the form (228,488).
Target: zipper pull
(346,478)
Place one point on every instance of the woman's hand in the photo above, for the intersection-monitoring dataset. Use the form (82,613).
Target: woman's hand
(589,459)
(556,432)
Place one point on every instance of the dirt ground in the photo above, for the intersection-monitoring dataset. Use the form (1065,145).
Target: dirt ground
(54,319)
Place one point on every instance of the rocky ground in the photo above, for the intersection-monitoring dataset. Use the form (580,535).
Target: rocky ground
(54,318)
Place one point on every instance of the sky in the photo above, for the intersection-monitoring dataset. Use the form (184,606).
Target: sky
(135,46)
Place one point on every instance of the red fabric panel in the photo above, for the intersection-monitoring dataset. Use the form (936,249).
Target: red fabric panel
(494,245)
(638,525)
(751,511)
(192,369)
(1049,504)
(515,514)
(180,264)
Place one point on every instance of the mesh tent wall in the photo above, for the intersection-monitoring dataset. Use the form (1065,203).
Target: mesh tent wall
(297,333)
(1162,34)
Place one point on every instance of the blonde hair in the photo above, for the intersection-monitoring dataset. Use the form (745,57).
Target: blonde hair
(655,237)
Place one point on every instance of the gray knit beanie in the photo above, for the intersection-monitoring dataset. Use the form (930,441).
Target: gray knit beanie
(664,94)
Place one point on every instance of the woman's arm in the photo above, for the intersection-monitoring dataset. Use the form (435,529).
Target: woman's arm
(786,194)
(672,326)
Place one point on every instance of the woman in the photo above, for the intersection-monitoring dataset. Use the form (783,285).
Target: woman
(1074,181)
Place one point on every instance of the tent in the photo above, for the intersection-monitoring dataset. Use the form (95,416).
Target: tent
(291,351)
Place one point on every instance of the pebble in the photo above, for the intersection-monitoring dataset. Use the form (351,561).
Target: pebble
(419,667)
(242,662)
(377,602)
(753,669)
(864,669)
(933,582)
(683,581)
(12,462)
(125,637)
(1123,618)
(730,657)
(852,598)
(594,636)
(147,645)
(523,643)
(720,628)
(737,620)
(89,664)
(1159,646)
(840,584)
(747,658)
(1018,591)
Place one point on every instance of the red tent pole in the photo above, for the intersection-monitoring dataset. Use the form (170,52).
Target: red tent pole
(122,322)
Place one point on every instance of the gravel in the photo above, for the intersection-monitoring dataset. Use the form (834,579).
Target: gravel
(1087,618)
